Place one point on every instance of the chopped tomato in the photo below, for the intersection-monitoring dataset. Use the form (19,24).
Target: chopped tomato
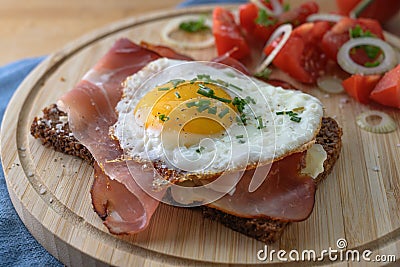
(381,10)
(248,14)
(340,34)
(227,34)
(268,3)
(261,30)
(360,86)
(299,15)
(301,56)
(387,91)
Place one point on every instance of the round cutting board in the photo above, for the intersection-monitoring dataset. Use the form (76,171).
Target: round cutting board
(359,202)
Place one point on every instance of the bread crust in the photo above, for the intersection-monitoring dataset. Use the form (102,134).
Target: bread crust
(54,132)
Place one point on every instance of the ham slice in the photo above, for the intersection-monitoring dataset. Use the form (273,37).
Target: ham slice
(165,51)
(117,198)
(286,194)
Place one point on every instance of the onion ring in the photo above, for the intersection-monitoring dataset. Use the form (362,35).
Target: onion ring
(348,64)
(174,25)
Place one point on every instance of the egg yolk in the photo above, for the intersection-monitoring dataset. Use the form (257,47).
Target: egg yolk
(187,107)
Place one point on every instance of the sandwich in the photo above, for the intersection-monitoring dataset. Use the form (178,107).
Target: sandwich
(160,127)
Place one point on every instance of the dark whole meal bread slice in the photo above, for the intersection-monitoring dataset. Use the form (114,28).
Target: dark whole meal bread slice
(53,131)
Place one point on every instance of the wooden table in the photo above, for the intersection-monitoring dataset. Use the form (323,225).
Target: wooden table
(39,27)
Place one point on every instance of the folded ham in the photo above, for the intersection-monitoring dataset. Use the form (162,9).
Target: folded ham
(91,111)
(286,194)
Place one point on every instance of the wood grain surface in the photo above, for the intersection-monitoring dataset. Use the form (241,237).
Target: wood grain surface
(50,190)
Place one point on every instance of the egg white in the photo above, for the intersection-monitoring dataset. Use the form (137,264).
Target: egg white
(280,135)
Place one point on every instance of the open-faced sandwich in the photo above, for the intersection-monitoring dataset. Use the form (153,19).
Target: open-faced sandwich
(160,127)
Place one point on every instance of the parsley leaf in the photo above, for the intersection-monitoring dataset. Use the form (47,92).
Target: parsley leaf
(163,117)
(372,64)
(194,25)
(264,74)
(371,51)
(264,19)
(286,7)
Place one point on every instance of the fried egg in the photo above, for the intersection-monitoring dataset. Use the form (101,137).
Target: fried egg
(203,119)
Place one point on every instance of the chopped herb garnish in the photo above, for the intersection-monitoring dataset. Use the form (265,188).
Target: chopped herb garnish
(203,102)
(207,79)
(264,74)
(163,89)
(205,91)
(194,25)
(191,104)
(177,95)
(163,117)
(208,92)
(241,119)
(202,108)
(239,103)
(250,100)
(260,123)
(239,136)
(193,80)
(221,82)
(357,31)
(236,87)
(230,74)
(293,115)
(264,19)
(286,7)
(204,77)
(223,112)
(295,118)
(200,149)
(203,105)
(176,82)
(371,51)
(372,64)
(241,141)
(212,110)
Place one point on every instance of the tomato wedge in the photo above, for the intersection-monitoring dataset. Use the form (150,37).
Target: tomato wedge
(387,91)
(360,86)
(340,34)
(261,31)
(299,15)
(227,34)
(301,57)
(381,10)
(248,14)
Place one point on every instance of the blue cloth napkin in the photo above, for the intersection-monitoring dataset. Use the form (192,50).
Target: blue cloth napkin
(17,246)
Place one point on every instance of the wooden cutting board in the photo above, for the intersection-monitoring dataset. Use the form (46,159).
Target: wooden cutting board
(359,202)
